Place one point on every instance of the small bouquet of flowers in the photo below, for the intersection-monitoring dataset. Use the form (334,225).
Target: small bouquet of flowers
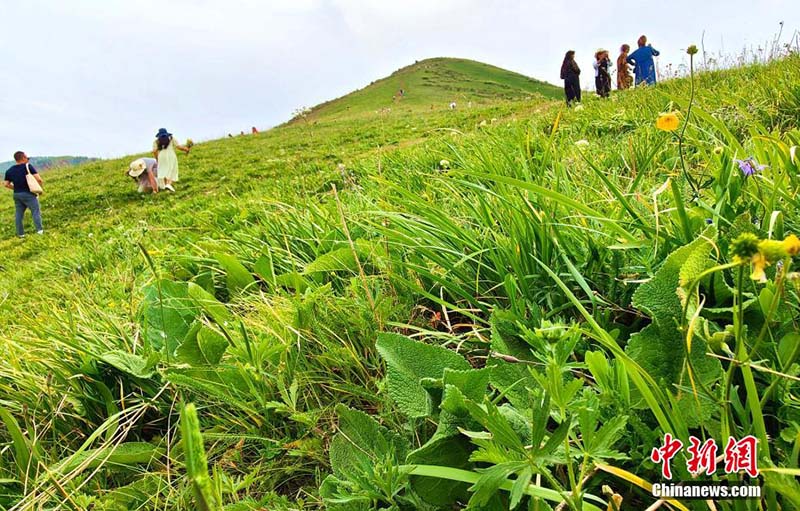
(189,143)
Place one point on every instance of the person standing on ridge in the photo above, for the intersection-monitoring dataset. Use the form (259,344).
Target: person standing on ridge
(644,66)
(624,78)
(16,180)
(164,151)
(570,73)
(602,78)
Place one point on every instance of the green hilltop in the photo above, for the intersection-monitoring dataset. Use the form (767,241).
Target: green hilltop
(433,84)
(498,307)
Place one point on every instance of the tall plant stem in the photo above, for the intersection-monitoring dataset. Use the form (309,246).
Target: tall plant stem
(689,178)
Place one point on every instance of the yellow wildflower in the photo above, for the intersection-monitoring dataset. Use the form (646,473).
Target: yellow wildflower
(759,263)
(772,250)
(792,245)
(667,122)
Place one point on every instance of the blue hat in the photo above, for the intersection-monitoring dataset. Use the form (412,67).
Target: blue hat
(162,132)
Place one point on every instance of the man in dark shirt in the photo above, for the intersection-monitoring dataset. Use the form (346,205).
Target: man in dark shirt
(23,198)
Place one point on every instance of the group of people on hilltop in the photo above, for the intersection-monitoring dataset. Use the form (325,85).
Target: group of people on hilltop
(161,171)
(644,69)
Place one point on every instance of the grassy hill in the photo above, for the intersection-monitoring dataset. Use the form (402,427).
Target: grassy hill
(431,84)
(415,310)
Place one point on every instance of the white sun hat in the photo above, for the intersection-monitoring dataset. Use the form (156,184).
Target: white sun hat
(137,167)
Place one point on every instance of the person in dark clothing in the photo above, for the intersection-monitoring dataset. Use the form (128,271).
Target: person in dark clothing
(570,73)
(602,78)
(16,180)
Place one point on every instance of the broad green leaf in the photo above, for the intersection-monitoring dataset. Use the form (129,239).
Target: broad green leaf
(204,346)
(459,385)
(237,277)
(292,280)
(659,297)
(452,451)
(335,260)
(344,258)
(660,348)
(168,314)
(447,447)
(265,268)
(208,303)
(407,362)
(786,346)
(129,363)
(361,442)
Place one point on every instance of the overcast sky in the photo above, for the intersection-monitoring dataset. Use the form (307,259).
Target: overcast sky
(99,77)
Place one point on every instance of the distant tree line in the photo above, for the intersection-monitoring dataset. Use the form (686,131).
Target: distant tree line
(49,162)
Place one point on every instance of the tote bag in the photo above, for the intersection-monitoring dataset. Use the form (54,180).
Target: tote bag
(33,184)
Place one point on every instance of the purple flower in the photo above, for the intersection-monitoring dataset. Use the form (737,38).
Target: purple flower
(749,166)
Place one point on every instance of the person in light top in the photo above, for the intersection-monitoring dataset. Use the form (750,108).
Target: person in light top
(602,78)
(145,172)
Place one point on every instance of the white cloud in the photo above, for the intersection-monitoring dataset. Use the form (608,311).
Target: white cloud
(96,77)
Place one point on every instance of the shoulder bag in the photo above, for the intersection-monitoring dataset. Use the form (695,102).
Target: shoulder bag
(33,184)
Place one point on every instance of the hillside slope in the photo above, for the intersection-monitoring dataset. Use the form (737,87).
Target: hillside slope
(514,276)
(432,84)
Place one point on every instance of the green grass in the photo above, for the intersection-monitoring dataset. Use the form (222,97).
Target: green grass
(257,293)
(431,85)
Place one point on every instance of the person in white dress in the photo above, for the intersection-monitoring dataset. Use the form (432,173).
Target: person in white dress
(164,151)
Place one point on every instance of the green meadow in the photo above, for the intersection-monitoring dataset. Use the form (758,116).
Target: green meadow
(388,304)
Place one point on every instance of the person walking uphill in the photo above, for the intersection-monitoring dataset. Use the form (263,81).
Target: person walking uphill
(570,73)
(164,151)
(16,180)
(644,66)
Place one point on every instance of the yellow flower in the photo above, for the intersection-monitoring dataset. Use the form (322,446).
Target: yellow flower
(792,245)
(667,122)
(772,250)
(759,263)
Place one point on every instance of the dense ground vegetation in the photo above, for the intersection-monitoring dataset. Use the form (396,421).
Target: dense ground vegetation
(504,306)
